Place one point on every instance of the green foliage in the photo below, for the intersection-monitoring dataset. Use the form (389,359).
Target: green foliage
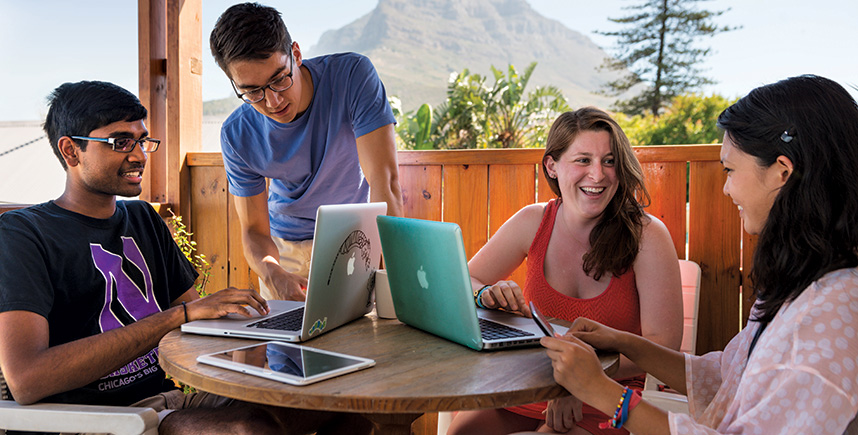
(413,129)
(658,50)
(517,121)
(688,119)
(188,246)
(460,122)
(476,115)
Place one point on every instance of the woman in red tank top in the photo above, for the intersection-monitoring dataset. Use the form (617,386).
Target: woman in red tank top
(592,252)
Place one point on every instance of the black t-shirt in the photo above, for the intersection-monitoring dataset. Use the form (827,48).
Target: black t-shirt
(87,276)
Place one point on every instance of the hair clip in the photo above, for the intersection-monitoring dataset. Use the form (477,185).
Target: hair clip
(786,137)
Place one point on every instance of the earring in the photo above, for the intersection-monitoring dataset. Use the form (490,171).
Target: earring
(553,176)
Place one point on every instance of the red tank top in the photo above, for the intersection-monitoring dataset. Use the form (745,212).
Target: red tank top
(618,306)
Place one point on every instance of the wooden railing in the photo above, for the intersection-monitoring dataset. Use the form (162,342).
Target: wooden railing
(481,189)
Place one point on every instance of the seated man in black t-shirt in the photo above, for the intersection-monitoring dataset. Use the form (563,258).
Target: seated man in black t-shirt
(89,284)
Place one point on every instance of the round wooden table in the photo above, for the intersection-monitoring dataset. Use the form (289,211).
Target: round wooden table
(415,373)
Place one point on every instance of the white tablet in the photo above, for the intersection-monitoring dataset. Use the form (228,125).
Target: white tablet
(286,362)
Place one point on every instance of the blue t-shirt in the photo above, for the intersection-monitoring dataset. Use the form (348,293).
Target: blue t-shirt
(312,160)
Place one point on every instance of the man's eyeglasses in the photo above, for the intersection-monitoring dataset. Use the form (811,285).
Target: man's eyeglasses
(125,144)
(279,84)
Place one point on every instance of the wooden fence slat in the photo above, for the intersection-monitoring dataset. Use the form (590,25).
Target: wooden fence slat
(543,190)
(421,191)
(240,274)
(713,242)
(665,182)
(511,187)
(466,203)
(209,201)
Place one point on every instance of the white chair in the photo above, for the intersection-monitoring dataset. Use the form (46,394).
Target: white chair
(53,417)
(673,402)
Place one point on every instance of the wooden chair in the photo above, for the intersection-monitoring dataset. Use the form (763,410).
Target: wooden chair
(50,417)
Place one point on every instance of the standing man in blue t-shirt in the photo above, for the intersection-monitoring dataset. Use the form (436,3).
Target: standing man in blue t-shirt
(320,129)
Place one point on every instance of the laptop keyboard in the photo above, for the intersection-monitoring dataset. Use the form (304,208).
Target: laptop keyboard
(288,321)
(494,331)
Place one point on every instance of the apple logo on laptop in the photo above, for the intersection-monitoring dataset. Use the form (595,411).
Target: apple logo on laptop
(351,265)
(421,278)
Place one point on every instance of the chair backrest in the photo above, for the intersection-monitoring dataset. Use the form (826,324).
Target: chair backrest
(690,273)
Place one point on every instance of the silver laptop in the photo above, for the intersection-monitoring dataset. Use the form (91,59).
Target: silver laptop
(431,288)
(346,253)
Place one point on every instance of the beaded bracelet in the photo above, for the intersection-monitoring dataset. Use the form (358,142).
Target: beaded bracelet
(618,419)
(479,294)
(630,403)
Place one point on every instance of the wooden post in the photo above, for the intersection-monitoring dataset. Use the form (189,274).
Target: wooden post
(152,61)
(171,88)
(184,97)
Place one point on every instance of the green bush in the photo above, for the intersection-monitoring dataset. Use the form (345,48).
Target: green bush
(689,119)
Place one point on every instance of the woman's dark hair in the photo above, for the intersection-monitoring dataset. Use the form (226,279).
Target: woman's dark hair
(615,240)
(812,227)
(248,31)
(76,109)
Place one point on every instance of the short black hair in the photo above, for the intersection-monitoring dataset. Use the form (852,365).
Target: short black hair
(76,109)
(248,31)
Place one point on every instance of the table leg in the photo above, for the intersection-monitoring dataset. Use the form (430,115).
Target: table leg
(392,424)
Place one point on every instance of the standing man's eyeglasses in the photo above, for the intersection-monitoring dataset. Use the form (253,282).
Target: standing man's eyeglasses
(125,144)
(278,84)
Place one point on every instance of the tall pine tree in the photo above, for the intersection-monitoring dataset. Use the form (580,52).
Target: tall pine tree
(658,49)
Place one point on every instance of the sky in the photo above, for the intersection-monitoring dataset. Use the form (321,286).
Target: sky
(45,43)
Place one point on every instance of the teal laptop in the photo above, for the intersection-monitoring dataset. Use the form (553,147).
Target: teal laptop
(431,288)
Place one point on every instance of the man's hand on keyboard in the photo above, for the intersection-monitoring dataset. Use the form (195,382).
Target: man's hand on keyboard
(227,301)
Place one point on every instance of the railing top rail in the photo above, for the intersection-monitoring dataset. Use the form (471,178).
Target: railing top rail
(651,153)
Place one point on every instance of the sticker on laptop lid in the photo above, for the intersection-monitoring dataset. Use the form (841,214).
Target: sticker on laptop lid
(318,326)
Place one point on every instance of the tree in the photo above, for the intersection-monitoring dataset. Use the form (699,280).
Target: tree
(658,49)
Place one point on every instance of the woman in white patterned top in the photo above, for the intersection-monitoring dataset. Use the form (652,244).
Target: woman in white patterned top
(790,153)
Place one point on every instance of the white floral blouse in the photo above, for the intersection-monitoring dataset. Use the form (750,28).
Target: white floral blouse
(802,377)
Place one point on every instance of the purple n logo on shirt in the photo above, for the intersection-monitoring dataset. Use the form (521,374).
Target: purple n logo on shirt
(136,302)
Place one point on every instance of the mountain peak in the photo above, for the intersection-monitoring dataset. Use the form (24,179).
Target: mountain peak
(416,44)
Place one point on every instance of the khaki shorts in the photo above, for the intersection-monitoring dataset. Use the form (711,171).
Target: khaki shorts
(174,400)
(294,258)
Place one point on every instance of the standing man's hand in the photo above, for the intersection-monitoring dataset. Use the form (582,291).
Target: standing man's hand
(286,286)
(261,252)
